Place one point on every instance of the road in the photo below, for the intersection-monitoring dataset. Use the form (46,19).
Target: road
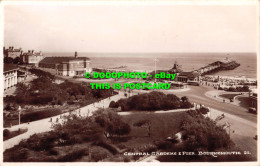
(196,94)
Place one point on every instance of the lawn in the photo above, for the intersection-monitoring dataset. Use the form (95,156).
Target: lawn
(228,96)
(244,101)
(12,134)
(162,126)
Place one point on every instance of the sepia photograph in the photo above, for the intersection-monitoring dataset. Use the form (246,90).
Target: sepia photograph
(164,82)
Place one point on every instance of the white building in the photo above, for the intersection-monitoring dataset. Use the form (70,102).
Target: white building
(10,76)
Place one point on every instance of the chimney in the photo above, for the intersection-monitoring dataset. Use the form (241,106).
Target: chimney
(12,48)
(76,54)
(32,51)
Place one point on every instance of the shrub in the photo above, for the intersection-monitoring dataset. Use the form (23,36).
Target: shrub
(162,144)
(126,159)
(121,146)
(148,148)
(19,155)
(72,156)
(32,116)
(111,122)
(99,155)
(150,101)
(105,145)
(203,110)
(53,152)
(199,132)
(6,133)
(113,104)
(186,104)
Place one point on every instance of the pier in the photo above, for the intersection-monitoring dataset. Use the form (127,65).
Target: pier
(225,64)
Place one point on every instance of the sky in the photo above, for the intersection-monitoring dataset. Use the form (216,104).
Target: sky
(131,28)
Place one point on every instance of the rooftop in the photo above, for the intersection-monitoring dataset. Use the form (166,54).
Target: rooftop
(189,74)
(57,60)
(32,53)
(9,67)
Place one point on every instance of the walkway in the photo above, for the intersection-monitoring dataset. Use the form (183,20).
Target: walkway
(45,125)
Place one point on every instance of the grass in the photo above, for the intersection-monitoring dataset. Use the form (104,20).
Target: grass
(244,102)
(162,126)
(15,133)
(228,96)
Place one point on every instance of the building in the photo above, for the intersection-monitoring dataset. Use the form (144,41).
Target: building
(21,76)
(187,76)
(183,76)
(10,75)
(67,66)
(12,53)
(32,58)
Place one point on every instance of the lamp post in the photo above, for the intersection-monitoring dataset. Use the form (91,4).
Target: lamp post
(19,114)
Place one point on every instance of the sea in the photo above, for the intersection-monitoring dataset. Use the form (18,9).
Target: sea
(165,61)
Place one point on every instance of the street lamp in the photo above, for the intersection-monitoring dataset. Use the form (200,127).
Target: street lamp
(19,114)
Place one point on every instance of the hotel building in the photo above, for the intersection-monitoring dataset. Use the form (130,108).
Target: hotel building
(67,66)
(32,58)
(12,53)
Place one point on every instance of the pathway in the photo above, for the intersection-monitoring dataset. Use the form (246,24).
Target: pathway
(45,125)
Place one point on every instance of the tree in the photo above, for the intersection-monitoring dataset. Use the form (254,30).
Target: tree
(21,89)
(111,122)
(8,60)
(6,133)
(184,99)
(113,104)
(144,123)
(17,60)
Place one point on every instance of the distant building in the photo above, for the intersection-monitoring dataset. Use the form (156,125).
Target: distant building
(67,66)
(183,76)
(12,53)
(32,58)
(10,75)
(187,76)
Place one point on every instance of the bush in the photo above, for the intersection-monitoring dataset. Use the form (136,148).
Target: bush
(72,156)
(203,110)
(6,133)
(121,146)
(199,132)
(53,152)
(33,116)
(19,155)
(148,148)
(113,104)
(150,101)
(162,144)
(99,155)
(186,104)
(126,159)
(105,145)
(111,122)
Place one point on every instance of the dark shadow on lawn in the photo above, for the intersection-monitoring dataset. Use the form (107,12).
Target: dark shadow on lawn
(244,102)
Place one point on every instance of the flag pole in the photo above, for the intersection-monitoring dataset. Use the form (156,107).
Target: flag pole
(155,69)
